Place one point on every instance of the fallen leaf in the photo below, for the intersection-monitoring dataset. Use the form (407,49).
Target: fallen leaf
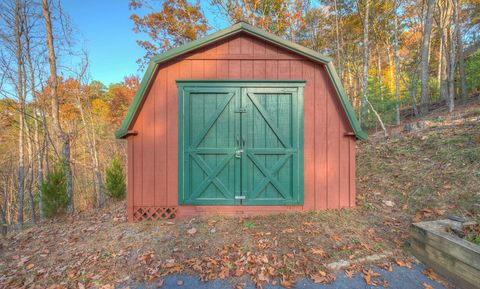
(368,275)
(179,282)
(240,285)
(146,258)
(319,277)
(286,283)
(160,283)
(403,263)
(427,286)
(423,213)
(434,276)
(388,267)
(319,252)
(336,238)
(288,231)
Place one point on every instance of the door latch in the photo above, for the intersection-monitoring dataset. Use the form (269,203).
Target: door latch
(239,197)
(238,153)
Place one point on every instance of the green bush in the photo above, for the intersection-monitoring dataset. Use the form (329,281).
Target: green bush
(472,72)
(115,180)
(54,188)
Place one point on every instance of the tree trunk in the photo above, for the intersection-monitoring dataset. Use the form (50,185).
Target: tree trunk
(445,10)
(92,146)
(3,211)
(440,60)
(424,51)
(452,60)
(364,101)
(337,34)
(412,92)
(461,60)
(385,132)
(61,135)
(21,101)
(29,180)
(397,65)
(36,114)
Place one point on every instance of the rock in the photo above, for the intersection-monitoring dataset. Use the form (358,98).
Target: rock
(192,231)
(335,266)
(389,203)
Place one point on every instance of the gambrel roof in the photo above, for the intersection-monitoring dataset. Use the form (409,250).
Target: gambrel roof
(228,32)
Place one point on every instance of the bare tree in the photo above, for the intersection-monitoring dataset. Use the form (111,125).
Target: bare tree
(425,51)
(61,135)
(87,121)
(443,23)
(37,110)
(452,60)
(18,30)
(461,57)
(397,63)
(364,100)
(337,40)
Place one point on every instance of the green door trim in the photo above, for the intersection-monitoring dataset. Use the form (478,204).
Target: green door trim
(245,90)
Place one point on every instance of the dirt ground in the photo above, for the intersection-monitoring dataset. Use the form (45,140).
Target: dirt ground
(425,174)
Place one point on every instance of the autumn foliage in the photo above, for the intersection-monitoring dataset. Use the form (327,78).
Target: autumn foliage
(176,22)
(119,97)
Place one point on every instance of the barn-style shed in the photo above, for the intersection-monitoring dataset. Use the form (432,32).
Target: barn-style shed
(239,122)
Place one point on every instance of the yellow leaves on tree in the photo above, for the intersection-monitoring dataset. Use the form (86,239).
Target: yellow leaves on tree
(120,96)
(174,23)
(281,17)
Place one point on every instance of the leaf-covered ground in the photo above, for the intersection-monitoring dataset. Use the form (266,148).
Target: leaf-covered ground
(420,175)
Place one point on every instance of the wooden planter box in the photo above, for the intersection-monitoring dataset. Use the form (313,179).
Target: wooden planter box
(448,254)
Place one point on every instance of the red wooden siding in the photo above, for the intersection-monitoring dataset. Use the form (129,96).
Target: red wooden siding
(329,154)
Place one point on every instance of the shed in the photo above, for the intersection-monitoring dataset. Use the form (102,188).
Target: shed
(239,122)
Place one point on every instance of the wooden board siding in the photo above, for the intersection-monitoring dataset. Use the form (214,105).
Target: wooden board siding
(329,155)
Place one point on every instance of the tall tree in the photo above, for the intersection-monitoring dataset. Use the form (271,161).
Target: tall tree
(452,60)
(175,23)
(18,30)
(337,39)
(61,135)
(443,23)
(281,17)
(37,110)
(461,60)
(366,52)
(397,62)
(425,52)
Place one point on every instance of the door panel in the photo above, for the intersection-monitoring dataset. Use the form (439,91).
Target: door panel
(271,132)
(211,172)
(240,145)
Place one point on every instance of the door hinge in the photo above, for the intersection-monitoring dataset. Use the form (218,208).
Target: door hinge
(241,110)
(240,197)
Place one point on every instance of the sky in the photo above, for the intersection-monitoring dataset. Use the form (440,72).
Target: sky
(105,30)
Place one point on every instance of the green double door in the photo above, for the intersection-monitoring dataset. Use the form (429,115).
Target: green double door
(240,143)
